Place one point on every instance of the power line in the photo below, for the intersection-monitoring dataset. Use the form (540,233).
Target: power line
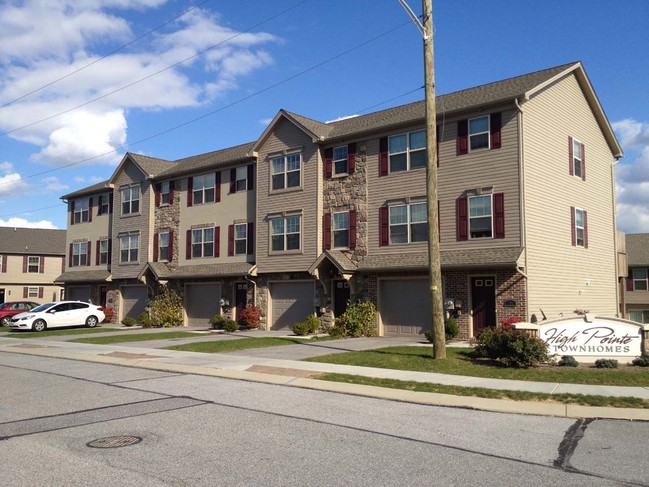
(72,73)
(32,211)
(167,68)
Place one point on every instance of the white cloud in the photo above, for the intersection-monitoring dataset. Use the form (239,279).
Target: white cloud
(52,183)
(11,182)
(22,223)
(632,133)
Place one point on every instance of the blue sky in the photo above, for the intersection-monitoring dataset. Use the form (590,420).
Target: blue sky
(213,73)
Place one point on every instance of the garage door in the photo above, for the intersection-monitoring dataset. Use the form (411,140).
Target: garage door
(202,303)
(134,300)
(78,293)
(291,302)
(404,305)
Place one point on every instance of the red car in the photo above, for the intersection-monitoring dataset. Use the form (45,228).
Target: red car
(7,310)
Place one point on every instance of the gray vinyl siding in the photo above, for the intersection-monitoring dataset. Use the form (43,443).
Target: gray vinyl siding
(98,229)
(637,297)
(562,277)
(307,199)
(142,222)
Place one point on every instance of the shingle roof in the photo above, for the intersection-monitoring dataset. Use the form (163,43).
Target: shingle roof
(163,271)
(151,165)
(83,276)
(95,188)
(32,241)
(637,248)
(211,159)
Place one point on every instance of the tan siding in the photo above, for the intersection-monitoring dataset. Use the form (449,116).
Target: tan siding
(563,278)
(307,200)
(14,280)
(98,228)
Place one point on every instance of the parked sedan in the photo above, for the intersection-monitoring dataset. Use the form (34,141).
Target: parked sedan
(12,308)
(55,315)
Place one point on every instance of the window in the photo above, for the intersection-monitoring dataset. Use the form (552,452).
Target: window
(204,188)
(128,248)
(241,239)
(479,133)
(341,229)
(163,246)
(81,211)
(577,159)
(165,193)
(203,242)
(580,228)
(104,204)
(407,151)
(480,221)
(103,252)
(241,181)
(640,316)
(340,160)
(32,292)
(408,223)
(285,233)
(79,254)
(640,280)
(33,264)
(285,171)
(130,200)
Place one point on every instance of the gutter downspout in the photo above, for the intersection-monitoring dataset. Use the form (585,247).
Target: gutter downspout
(620,296)
(521,189)
(254,289)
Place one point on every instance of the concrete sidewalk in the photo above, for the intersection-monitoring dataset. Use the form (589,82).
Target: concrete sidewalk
(284,365)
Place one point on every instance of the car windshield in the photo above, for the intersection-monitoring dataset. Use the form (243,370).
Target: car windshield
(43,307)
(4,305)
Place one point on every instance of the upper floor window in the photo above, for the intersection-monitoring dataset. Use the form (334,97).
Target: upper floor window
(203,242)
(407,151)
(163,246)
(408,223)
(640,280)
(165,192)
(480,217)
(81,211)
(340,160)
(285,171)
(204,189)
(340,229)
(103,252)
(241,239)
(128,248)
(580,228)
(285,233)
(130,200)
(80,254)
(577,158)
(478,133)
(103,206)
(241,181)
(33,264)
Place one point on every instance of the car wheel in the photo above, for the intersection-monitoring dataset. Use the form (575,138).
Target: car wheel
(5,321)
(39,325)
(91,321)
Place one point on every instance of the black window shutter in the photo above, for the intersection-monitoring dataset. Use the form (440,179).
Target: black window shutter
(171,246)
(352,229)
(230,240)
(72,212)
(188,245)
(462,137)
(328,159)
(251,177)
(384,226)
(251,238)
(217,179)
(158,188)
(495,126)
(190,191)
(217,241)
(90,209)
(156,240)
(233,180)
(326,231)
(88,252)
(383,156)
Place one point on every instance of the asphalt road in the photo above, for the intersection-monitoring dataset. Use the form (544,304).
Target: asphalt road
(198,430)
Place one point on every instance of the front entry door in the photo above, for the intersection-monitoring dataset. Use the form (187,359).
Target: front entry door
(483,300)
(2,296)
(240,296)
(341,297)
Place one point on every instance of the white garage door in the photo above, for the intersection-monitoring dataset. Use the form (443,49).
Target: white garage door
(291,302)
(404,305)
(202,303)
(134,300)
(78,293)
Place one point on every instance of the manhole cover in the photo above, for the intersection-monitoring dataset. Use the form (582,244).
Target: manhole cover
(114,442)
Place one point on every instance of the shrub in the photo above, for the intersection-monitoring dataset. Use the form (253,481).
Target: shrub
(511,348)
(357,321)
(307,327)
(128,321)
(336,331)
(218,321)
(508,322)
(230,326)
(250,316)
(568,361)
(166,309)
(109,312)
(642,361)
(145,320)
(606,363)
(451,328)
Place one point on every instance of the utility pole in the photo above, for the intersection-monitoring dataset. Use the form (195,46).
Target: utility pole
(434,265)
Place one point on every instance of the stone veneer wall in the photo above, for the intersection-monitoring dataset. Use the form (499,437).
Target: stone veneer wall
(167,217)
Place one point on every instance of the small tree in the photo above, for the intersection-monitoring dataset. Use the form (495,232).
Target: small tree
(357,321)
(166,309)
(250,316)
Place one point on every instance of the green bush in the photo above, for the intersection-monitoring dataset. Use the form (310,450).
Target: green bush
(511,348)
(357,321)
(451,328)
(128,321)
(336,331)
(166,309)
(568,361)
(218,321)
(606,363)
(145,320)
(642,361)
(307,327)
(230,326)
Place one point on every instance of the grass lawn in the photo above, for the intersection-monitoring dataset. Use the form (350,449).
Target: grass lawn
(140,337)
(49,333)
(458,362)
(219,346)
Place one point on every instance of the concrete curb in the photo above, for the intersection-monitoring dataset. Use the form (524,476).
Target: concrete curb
(426,398)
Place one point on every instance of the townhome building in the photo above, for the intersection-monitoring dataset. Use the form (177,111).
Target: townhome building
(313,215)
(30,260)
(635,293)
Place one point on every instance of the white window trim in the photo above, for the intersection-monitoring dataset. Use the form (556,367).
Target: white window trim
(334,230)
(203,190)
(488,132)
(101,241)
(131,200)
(285,234)
(469,217)
(77,251)
(81,208)
(408,222)
(285,172)
(164,193)
(104,208)
(244,239)
(408,151)
(32,292)
(243,180)
(131,237)
(577,143)
(582,228)
(160,247)
(203,242)
(345,159)
(645,279)
(29,264)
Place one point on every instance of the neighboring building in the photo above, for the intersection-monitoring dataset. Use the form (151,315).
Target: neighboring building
(30,260)
(636,292)
(314,214)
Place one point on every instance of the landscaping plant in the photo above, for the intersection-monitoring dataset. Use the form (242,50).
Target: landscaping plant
(128,321)
(218,321)
(307,327)
(451,328)
(230,326)
(357,321)
(511,348)
(166,309)
(606,363)
(568,361)
(642,361)
(145,320)
(250,316)
(109,312)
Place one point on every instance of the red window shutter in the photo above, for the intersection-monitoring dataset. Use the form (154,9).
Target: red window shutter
(25,258)
(72,212)
(326,231)
(462,219)
(573,228)
(110,249)
(571,164)
(25,292)
(629,282)
(41,265)
(462,137)
(190,191)
(188,245)
(233,180)
(4,263)
(251,177)
(70,256)
(437,135)
(97,251)
(328,159)
(230,240)
(88,248)
(495,126)
(110,203)
(499,215)
(383,156)
(171,245)
(171,191)
(217,241)
(351,158)
(158,188)
(352,229)
(89,209)
(583,162)
(585,229)
(217,192)
(156,240)
(40,292)
(384,226)
(251,238)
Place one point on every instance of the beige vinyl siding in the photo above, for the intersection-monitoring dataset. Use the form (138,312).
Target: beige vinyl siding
(307,200)
(142,222)
(563,278)
(236,207)
(456,174)
(99,228)
(15,275)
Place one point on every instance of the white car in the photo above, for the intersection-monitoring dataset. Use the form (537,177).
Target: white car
(55,315)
